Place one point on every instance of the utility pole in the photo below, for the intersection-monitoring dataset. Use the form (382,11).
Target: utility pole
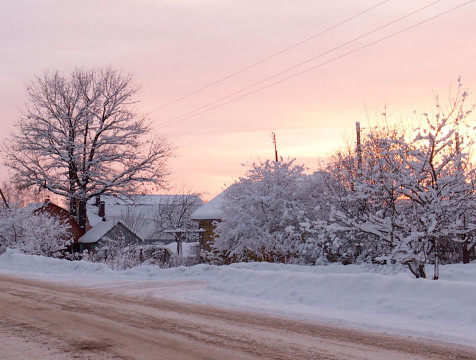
(4,199)
(359,147)
(273,137)
(457,142)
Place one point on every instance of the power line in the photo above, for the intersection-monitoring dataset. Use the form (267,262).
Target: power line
(300,64)
(317,66)
(269,57)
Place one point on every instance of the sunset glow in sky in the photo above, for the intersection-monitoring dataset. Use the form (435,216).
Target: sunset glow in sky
(175,47)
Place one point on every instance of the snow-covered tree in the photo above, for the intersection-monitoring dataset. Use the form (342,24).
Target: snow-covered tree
(31,231)
(265,214)
(409,195)
(80,136)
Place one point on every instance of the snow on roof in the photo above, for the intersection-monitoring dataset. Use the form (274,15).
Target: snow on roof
(101,229)
(143,206)
(212,210)
(97,232)
(35,206)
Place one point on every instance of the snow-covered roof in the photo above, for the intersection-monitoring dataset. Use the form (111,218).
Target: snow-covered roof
(35,206)
(212,210)
(143,206)
(97,232)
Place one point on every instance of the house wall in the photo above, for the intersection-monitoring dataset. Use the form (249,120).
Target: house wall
(208,236)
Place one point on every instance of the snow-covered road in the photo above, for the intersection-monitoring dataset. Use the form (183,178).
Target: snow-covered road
(352,295)
(55,321)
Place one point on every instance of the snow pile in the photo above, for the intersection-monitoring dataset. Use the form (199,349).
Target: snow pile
(14,262)
(334,268)
(400,303)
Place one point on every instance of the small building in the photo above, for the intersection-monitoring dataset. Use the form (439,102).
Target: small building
(142,213)
(207,216)
(108,232)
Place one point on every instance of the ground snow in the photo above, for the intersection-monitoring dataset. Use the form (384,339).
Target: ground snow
(352,294)
(13,262)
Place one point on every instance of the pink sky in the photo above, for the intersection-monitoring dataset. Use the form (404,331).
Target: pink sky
(175,47)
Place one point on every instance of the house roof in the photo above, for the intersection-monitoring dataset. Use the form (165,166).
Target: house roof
(97,232)
(212,210)
(101,229)
(143,206)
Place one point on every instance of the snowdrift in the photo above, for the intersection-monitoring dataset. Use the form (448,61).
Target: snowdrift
(14,262)
(439,309)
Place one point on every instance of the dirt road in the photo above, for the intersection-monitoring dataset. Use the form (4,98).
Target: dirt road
(49,321)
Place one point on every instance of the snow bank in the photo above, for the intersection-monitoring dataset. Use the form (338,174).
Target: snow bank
(439,309)
(14,262)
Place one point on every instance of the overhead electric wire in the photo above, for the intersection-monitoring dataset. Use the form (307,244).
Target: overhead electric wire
(259,62)
(171,122)
(300,64)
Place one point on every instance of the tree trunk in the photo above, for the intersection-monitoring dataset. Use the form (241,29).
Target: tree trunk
(72,189)
(421,270)
(466,253)
(436,272)
(82,215)
(417,269)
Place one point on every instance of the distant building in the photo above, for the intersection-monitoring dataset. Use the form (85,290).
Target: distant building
(108,232)
(207,216)
(141,213)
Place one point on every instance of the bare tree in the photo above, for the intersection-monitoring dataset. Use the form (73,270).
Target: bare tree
(80,136)
(175,211)
(16,196)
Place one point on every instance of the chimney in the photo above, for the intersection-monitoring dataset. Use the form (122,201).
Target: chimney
(98,200)
(102,209)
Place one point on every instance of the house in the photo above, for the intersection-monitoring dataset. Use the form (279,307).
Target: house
(146,215)
(207,216)
(63,216)
(106,231)
(107,234)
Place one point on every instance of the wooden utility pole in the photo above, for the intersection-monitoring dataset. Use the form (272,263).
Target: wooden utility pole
(4,199)
(359,147)
(273,136)
(457,142)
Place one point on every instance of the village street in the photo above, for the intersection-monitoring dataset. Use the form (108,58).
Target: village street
(40,320)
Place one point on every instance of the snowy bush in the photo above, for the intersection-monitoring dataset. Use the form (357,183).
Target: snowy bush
(32,232)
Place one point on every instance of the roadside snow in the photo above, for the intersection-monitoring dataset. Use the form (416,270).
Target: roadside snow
(351,295)
(14,263)
(437,309)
